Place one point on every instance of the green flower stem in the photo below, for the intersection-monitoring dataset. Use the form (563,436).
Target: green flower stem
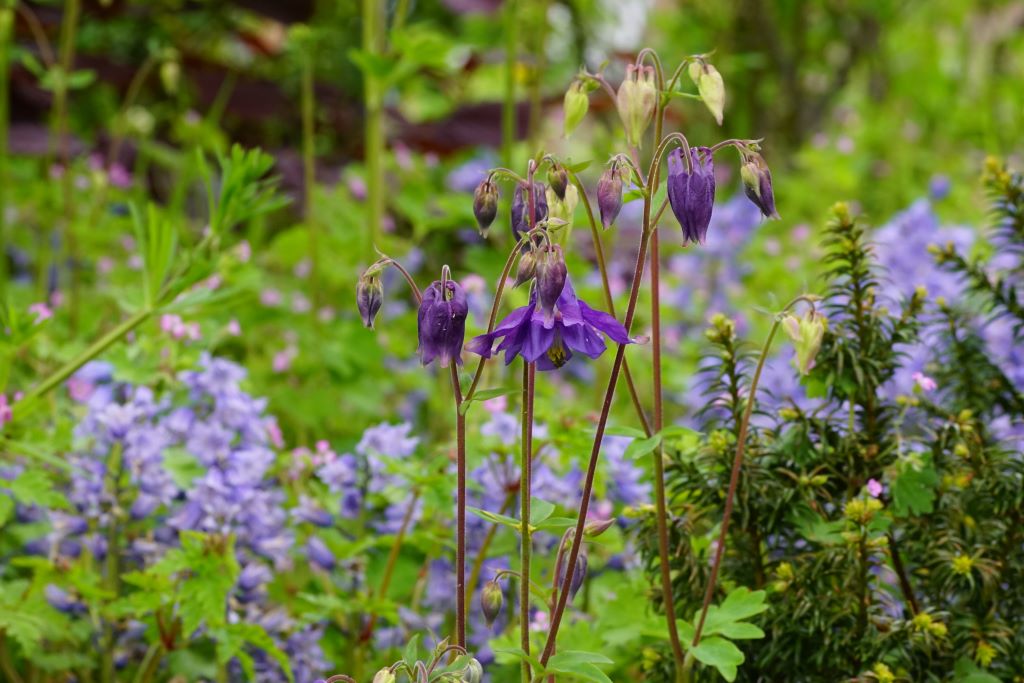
(588,485)
(112,576)
(309,179)
(595,236)
(668,599)
(150,663)
(5,661)
(734,477)
(6,24)
(69,31)
(525,485)
(373,44)
(478,563)
(68,369)
(508,109)
(460,540)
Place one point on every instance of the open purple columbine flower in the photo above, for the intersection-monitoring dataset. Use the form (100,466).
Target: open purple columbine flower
(692,193)
(575,326)
(442,322)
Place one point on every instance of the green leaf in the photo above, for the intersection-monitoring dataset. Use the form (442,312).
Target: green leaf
(504,520)
(641,447)
(35,487)
(627,431)
(540,510)
(232,639)
(6,508)
(913,490)
(743,603)
(412,651)
(721,654)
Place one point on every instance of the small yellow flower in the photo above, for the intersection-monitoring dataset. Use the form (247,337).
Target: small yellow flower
(883,673)
(938,629)
(984,654)
(785,571)
(963,564)
(922,621)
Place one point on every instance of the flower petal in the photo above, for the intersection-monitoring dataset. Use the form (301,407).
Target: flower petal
(605,323)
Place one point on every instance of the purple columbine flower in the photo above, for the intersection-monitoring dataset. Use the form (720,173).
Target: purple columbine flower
(442,323)
(519,203)
(692,194)
(575,326)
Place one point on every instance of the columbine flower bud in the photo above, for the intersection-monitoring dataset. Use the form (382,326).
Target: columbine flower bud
(575,105)
(595,528)
(692,194)
(558,180)
(491,599)
(442,323)
(579,573)
(384,676)
(561,213)
(551,274)
(485,204)
(710,86)
(806,333)
(369,297)
(757,183)
(519,207)
(473,673)
(609,195)
(636,100)
(527,267)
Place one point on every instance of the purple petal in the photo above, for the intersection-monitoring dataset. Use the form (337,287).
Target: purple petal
(605,323)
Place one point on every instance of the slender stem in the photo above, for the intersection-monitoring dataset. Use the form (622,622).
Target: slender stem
(69,30)
(389,568)
(460,514)
(97,347)
(539,32)
(668,600)
(525,484)
(408,278)
(309,178)
(149,663)
(588,484)
(111,579)
(373,44)
(6,23)
(508,109)
(5,661)
(901,572)
(734,477)
(602,266)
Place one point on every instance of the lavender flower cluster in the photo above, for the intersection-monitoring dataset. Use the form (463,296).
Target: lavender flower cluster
(160,465)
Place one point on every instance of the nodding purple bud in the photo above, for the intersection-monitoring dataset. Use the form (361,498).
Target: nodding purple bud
(491,599)
(485,204)
(551,274)
(596,527)
(579,573)
(527,267)
(319,554)
(609,195)
(519,206)
(691,193)
(442,323)
(558,179)
(757,183)
(369,297)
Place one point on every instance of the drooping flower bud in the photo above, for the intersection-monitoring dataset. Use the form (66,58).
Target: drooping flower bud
(551,274)
(519,208)
(442,323)
(485,204)
(369,297)
(558,180)
(609,195)
(561,213)
(757,183)
(527,267)
(636,101)
(473,673)
(595,528)
(575,105)
(384,676)
(692,193)
(709,86)
(579,573)
(806,332)
(491,599)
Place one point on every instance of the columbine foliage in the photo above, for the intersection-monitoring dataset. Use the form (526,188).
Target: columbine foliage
(884,527)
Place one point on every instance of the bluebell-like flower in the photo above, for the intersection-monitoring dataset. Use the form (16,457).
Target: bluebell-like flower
(575,326)
(692,193)
(519,207)
(442,323)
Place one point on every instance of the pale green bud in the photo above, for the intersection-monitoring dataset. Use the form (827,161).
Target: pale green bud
(636,101)
(384,676)
(560,214)
(710,86)
(575,105)
(806,333)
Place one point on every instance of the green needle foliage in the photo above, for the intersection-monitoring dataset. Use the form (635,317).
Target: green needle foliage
(887,531)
